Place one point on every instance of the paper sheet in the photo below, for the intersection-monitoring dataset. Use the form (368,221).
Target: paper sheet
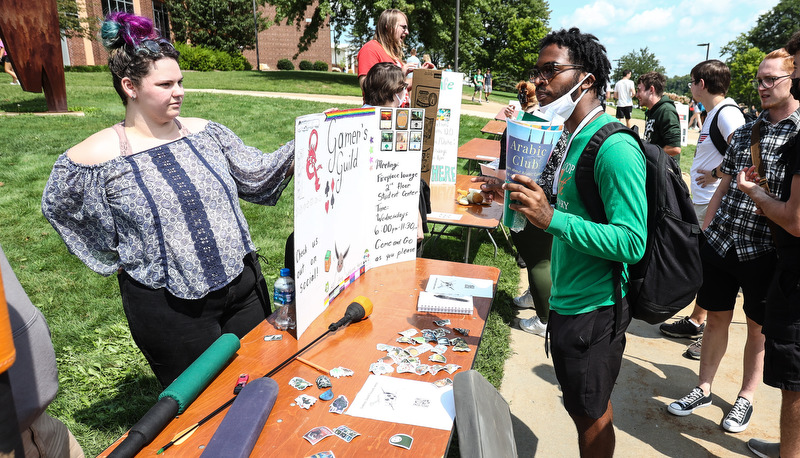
(409,402)
(463,286)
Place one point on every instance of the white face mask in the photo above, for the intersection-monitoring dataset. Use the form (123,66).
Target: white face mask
(401,97)
(561,109)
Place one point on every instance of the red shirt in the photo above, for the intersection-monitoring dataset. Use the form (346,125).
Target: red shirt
(370,54)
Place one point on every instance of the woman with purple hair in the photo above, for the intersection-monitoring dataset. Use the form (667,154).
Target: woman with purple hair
(155,200)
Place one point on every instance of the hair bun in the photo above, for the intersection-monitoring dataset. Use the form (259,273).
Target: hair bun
(121,28)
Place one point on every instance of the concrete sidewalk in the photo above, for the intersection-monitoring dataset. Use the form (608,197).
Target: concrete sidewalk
(654,373)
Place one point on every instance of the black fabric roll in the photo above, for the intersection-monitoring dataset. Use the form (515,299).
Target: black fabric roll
(146,429)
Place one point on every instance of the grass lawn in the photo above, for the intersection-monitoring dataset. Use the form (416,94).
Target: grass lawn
(105,384)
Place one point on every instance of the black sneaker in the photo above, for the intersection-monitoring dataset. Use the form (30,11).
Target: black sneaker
(764,449)
(738,418)
(682,328)
(686,405)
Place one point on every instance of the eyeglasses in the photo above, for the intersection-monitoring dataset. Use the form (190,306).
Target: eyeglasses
(768,82)
(549,70)
(693,83)
(404,27)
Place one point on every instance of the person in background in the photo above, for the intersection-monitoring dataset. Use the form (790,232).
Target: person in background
(155,199)
(662,126)
(477,82)
(33,377)
(711,82)
(413,59)
(487,84)
(387,46)
(5,61)
(427,62)
(695,122)
(625,91)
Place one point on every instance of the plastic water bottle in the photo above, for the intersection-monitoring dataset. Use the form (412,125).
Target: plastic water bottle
(283,296)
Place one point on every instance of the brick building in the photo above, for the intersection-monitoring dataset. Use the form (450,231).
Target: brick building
(277,42)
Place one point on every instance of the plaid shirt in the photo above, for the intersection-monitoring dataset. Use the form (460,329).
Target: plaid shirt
(736,224)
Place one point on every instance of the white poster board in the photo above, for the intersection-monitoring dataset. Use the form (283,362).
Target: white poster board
(444,164)
(356,199)
(683,117)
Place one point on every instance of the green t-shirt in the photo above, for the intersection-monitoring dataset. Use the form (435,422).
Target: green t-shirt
(583,251)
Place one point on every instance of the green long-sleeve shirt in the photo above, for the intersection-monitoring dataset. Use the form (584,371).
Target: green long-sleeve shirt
(584,251)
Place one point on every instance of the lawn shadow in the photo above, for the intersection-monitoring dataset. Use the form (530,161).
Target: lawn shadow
(34,105)
(135,395)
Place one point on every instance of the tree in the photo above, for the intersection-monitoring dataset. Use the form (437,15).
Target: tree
(517,60)
(639,63)
(744,67)
(225,25)
(68,21)
(774,28)
(678,85)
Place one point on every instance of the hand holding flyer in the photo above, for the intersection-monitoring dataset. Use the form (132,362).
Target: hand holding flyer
(528,148)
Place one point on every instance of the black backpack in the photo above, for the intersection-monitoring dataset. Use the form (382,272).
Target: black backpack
(719,141)
(669,274)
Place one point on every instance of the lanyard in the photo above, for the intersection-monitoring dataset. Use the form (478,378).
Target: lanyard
(572,136)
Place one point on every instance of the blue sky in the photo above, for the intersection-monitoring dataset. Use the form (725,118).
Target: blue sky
(670,29)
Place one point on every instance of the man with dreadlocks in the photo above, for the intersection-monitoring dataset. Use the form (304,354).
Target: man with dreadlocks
(586,343)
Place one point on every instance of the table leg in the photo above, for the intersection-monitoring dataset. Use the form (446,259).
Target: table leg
(466,248)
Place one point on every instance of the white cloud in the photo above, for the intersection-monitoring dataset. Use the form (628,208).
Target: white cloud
(650,20)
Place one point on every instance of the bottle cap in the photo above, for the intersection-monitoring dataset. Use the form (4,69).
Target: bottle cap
(285,272)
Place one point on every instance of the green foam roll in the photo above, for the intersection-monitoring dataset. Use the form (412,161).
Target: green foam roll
(196,377)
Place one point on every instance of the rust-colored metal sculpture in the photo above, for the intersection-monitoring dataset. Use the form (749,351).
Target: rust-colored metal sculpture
(30,32)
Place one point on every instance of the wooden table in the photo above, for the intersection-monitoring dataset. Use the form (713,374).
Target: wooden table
(393,290)
(494,127)
(480,149)
(501,115)
(450,213)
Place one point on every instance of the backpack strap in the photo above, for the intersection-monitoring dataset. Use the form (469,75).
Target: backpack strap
(590,195)
(719,141)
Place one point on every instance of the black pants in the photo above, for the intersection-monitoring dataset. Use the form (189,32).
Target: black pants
(172,332)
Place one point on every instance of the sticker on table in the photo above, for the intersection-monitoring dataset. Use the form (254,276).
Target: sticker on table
(326,396)
(380,368)
(299,383)
(408,332)
(443,215)
(441,323)
(339,405)
(317,434)
(273,337)
(462,331)
(401,440)
(305,401)
(450,368)
(340,371)
(325,454)
(443,383)
(437,358)
(435,368)
(323,382)
(345,433)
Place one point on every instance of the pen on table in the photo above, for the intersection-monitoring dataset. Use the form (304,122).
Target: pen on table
(451,298)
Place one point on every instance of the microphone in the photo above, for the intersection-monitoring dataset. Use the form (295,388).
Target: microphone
(359,309)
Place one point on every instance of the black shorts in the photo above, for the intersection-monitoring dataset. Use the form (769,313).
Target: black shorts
(624,112)
(587,355)
(723,276)
(782,312)
(782,364)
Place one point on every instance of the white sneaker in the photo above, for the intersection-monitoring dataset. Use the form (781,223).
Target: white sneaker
(533,325)
(525,301)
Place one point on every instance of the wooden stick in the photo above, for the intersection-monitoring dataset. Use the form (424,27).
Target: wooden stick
(315,366)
